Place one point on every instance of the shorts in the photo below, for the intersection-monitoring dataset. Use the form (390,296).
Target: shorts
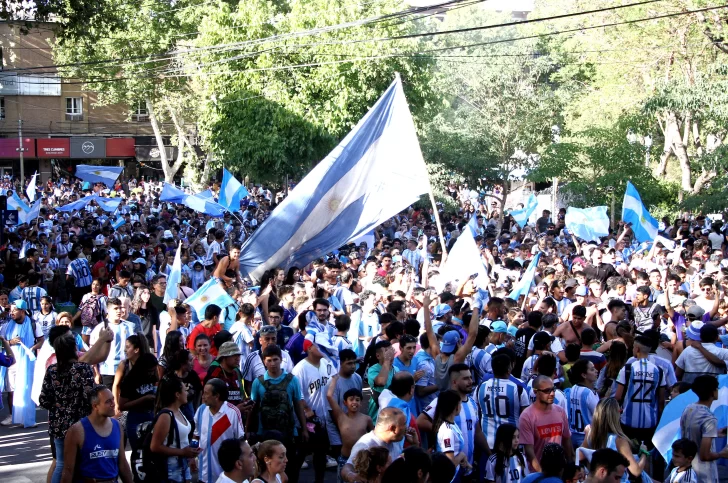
(10,378)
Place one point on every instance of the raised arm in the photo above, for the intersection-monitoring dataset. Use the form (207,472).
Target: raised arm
(465,349)
(431,337)
(335,409)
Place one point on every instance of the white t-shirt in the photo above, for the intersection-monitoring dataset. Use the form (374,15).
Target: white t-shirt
(370,440)
(121,331)
(212,430)
(314,384)
(214,249)
(253,366)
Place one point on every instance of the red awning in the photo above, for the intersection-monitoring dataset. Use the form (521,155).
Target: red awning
(120,148)
(9,148)
(54,148)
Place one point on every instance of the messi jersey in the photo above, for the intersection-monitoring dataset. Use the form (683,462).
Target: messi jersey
(500,402)
(580,408)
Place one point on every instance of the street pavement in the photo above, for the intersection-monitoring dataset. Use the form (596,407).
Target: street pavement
(25,454)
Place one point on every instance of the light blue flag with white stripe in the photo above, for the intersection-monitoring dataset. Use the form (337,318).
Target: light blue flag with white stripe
(207,194)
(373,174)
(644,226)
(464,259)
(172,194)
(231,191)
(668,430)
(118,222)
(209,293)
(75,206)
(524,285)
(587,223)
(175,277)
(108,204)
(521,216)
(17,203)
(32,214)
(99,174)
(206,206)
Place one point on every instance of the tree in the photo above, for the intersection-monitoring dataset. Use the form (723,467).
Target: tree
(498,111)
(127,57)
(280,99)
(669,70)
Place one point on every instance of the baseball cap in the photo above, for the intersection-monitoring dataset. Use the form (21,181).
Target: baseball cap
(450,341)
(512,330)
(581,291)
(167,234)
(571,282)
(542,339)
(441,310)
(140,260)
(228,349)
(498,327)
(21,304)
(695,311)
(267,329)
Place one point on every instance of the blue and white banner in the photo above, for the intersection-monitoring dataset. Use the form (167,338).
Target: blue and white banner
(231,192)
(99,174)
(588,223)
(175,277)
(210,293)
(464,259)
(373,174)
(644,226)
(524,285)
(521,216)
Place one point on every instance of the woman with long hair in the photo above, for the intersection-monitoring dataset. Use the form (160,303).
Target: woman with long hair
(271,461)
(582,400)
(171,396)
(414,466)
(181,366)
(97,298)
(293,276)
(605,431)
(204,358)
(147,314)
(269,291)
(449,438)
(135,385)
(606,383)
(172,345)
(65,391)
(507,463)
(371,463)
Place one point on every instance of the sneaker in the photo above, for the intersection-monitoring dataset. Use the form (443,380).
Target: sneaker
(331,462)
(304,466)
(7,421)
(31,427)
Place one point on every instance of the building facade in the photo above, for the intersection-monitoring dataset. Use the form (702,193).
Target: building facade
(61,123)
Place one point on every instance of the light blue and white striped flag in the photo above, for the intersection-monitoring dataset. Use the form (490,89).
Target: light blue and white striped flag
(30,190)
(231,192)
(464,259)
(644,226)
(99,174)
(668,430)
(210,293)
(373,174)
(521,216)
(175,277)
(587,223)
(524,285)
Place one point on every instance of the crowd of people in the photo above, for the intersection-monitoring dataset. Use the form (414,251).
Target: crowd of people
(366,360)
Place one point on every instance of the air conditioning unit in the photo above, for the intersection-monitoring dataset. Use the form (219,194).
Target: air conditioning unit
(74,117)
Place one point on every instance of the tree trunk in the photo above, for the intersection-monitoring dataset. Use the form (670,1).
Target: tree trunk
(672,131)
(160,141)
(502,207)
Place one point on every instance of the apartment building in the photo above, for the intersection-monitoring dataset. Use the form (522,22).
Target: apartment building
(61,123)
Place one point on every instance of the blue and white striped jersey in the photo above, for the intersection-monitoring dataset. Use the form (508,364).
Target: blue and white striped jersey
(466,421)
(641,381)
(31,296)
(423,362)
(480,363)
(500,402)
(581,404)
(81,272)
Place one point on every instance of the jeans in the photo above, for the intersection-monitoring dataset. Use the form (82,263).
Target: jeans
(133,420)
(58,471)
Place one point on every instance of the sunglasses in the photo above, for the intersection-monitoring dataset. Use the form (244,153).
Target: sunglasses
(546,391)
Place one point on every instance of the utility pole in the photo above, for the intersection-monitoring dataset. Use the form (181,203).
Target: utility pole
(20,151)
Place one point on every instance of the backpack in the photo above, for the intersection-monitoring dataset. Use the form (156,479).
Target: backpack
(147,466)
(276,408)
(91,312)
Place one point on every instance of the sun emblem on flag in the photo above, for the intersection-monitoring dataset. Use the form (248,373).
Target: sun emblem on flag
(97,173)
(204,299)
(334,204)
(643,220)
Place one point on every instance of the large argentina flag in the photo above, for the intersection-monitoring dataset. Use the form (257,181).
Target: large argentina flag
(374,173)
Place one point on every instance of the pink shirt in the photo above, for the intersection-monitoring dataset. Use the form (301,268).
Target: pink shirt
(538,427)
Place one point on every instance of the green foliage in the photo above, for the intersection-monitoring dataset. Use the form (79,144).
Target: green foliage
(266,119)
